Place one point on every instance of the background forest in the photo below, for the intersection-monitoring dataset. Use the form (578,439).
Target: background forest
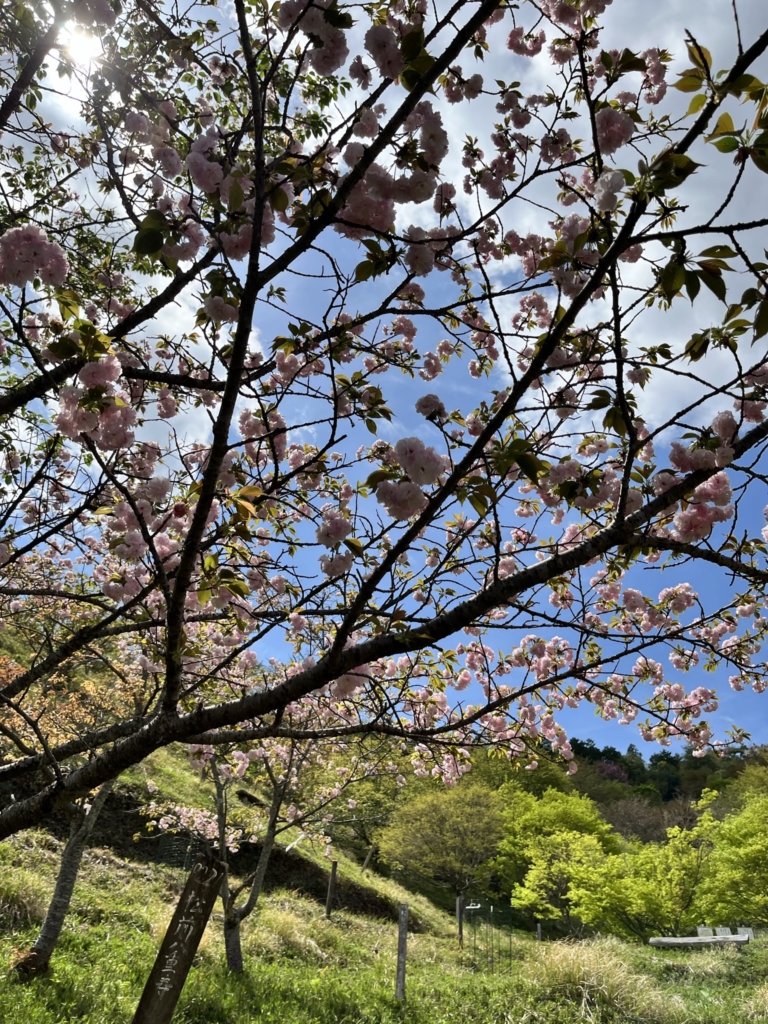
(625,846)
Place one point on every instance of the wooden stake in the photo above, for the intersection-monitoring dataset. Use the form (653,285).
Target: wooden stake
(331,890)
(402,948)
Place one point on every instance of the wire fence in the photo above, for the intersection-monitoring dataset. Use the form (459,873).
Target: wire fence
(488,938)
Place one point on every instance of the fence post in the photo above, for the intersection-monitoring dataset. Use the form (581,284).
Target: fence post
(331,890)
(538,930)
(402,948)
(460,919)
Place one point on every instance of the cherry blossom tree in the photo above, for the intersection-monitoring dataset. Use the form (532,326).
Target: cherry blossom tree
(294,375)
(302,783)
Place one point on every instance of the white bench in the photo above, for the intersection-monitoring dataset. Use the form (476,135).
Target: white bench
(697,941)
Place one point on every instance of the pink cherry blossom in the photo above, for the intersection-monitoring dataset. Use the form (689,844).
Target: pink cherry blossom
(724,425)
(614,129)
(334,527)
(423,465)
(360,72)
(431,406)
(401,500)
(337,565)
(381,43)
(26,252)
(206,174)
(607,187)
(219,310)
(101,373)
(525,46)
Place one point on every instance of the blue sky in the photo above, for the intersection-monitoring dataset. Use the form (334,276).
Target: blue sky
(642,24)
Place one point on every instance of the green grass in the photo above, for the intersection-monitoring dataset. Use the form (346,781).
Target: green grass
(169,769)
(303,969)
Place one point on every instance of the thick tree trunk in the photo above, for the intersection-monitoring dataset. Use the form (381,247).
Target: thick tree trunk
(232,945)
(38,958)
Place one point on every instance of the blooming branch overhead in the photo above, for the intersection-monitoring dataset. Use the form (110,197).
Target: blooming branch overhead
(308,395)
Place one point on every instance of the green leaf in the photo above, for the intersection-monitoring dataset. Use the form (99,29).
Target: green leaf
(727,145)
(422,63)
(744,83)
(530,466)
(688,82)
(614,419)
(478,503)
(601,400)
(720,252)
(377,477)
(278,200)
(148,241)
(68,303)
(237,587)
(412,44)
(697,346)
(250,492)
(696,104)
(760,160)
(714,283)
(629,61)
(761,320)
(236,196)
(672,169)
(750,297)
(672,280)
(337,18)
(692,284)
(409,78)
(355,546)
(700,56)
(64,348)
(364,270)
(723,126)
(155,219)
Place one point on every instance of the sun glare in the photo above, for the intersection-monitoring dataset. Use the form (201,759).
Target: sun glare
(79,45)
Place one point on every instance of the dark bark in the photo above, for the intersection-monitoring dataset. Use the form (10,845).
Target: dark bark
(232,946)
(237,915)
(37,960)
(234,915)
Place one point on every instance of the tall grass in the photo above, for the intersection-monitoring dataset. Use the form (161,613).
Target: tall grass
(597,979)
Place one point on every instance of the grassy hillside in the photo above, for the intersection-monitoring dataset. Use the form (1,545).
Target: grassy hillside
(302,968)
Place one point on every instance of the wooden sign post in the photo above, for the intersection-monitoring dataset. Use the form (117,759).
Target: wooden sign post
(164,985)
